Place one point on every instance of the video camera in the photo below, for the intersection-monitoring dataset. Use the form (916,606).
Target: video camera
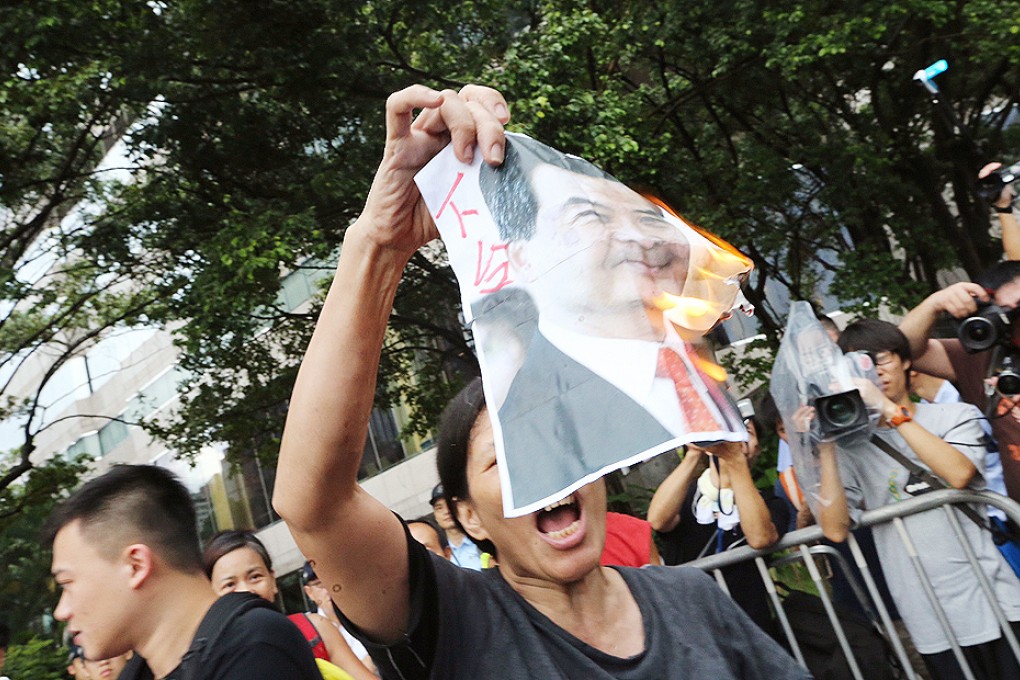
(811,371)
(839,414)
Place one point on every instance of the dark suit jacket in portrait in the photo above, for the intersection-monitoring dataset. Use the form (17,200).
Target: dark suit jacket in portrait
(561,421)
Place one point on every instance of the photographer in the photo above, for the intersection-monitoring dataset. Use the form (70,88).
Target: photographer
(947,440)
(701,508)
(947,358)
(1003,207)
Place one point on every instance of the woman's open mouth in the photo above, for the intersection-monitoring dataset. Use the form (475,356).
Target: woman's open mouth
(561,523)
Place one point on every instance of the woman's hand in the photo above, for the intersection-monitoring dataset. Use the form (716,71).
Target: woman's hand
(395,216)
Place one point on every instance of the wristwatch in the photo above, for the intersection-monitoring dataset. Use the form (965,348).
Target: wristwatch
(902,417)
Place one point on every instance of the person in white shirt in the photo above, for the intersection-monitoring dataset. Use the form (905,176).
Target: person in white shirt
(463,551)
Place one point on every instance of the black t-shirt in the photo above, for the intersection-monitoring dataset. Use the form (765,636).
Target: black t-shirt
(688,541)
(468,625)
(260,644)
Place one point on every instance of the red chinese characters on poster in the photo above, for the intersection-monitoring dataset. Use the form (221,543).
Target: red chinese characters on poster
(492,269)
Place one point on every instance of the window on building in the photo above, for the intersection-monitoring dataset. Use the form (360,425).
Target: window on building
(87,444)
(383,447)
(112,434)
(226,496)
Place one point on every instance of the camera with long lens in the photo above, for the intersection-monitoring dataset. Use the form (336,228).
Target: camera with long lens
(1009,377)
(838,415)
(989,188)
(989,326)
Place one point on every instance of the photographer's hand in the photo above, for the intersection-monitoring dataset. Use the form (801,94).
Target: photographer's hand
(802,418)
(735,473)
(875,399)
(664,509)
(1007,195)
(1003,206)
(959,300)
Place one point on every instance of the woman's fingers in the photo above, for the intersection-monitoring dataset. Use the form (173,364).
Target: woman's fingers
(473,118)
(400,108)
(454,118)
(489,99)
(491,113)
(489,133)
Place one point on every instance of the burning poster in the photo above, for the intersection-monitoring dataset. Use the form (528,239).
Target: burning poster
(584,298)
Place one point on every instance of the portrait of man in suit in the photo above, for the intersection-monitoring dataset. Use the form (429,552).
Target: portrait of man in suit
(604,378)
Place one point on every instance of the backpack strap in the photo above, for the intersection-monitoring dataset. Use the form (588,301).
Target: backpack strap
(216,621)
(308,629)
(929,478)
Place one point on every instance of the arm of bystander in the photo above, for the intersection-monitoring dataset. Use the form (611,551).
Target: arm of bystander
(664,508)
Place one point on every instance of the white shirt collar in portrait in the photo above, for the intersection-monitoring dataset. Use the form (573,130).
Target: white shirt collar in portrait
(630,365)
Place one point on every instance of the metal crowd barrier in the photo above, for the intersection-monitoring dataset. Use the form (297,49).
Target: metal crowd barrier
(871,601)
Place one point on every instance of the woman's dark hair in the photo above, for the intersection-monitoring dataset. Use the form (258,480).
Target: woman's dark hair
(227,542)
(455,430)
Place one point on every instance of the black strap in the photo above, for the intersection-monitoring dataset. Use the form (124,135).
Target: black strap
(316,639)
(929,478)
(216,621)
(136,669)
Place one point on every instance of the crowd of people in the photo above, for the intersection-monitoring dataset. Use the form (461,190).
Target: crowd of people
(568,591)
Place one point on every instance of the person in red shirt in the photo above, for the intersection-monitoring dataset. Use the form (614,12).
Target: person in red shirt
(628,542)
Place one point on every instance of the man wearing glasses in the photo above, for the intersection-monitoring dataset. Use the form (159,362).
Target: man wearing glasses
(920,440)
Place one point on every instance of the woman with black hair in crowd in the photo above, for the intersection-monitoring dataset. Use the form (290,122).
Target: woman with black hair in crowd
(237,561)
(548,610)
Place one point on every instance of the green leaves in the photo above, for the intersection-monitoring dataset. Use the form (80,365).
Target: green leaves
(253,129)
(36,658)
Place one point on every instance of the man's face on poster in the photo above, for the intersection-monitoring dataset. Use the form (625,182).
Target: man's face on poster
(599,248)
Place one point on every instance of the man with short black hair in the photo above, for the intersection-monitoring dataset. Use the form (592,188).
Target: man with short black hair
(947,358)
(126,557)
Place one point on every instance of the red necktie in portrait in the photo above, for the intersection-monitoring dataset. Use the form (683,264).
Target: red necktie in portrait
(699,417)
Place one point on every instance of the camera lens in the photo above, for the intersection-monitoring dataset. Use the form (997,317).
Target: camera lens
(839,415)
(979,333)
(979,330)
(840,411)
